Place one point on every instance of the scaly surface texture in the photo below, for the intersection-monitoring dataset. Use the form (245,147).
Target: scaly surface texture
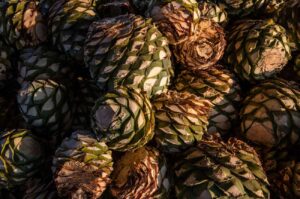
(213,11)
(46,106)
(219,86)
(181,119)
(214,169)
(124,119)
(257,49)
(289,18)
(242,8)
(22,24)
(270,115)
(68,22)
(128,51)
(82,166)
(41,64)
(21,157)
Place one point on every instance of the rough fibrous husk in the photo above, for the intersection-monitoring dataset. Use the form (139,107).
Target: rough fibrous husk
(141,174)
(82,166)
(196,43)
(145,7)
(174,21)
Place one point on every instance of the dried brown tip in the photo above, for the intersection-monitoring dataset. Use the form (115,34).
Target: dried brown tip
(204,47)
(79,180)
(136,175)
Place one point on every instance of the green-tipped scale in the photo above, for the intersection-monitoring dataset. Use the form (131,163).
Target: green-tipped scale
(46,106)
(215,169)
(22,156)
(242,8)
(213,11)
(181,119)
(68,22)
(218,85)
(129,51)
(22,24)
(123,119)
(82,166)
(257,49)
(41,64)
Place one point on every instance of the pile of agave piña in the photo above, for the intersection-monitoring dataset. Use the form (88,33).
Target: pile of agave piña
(149,99)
